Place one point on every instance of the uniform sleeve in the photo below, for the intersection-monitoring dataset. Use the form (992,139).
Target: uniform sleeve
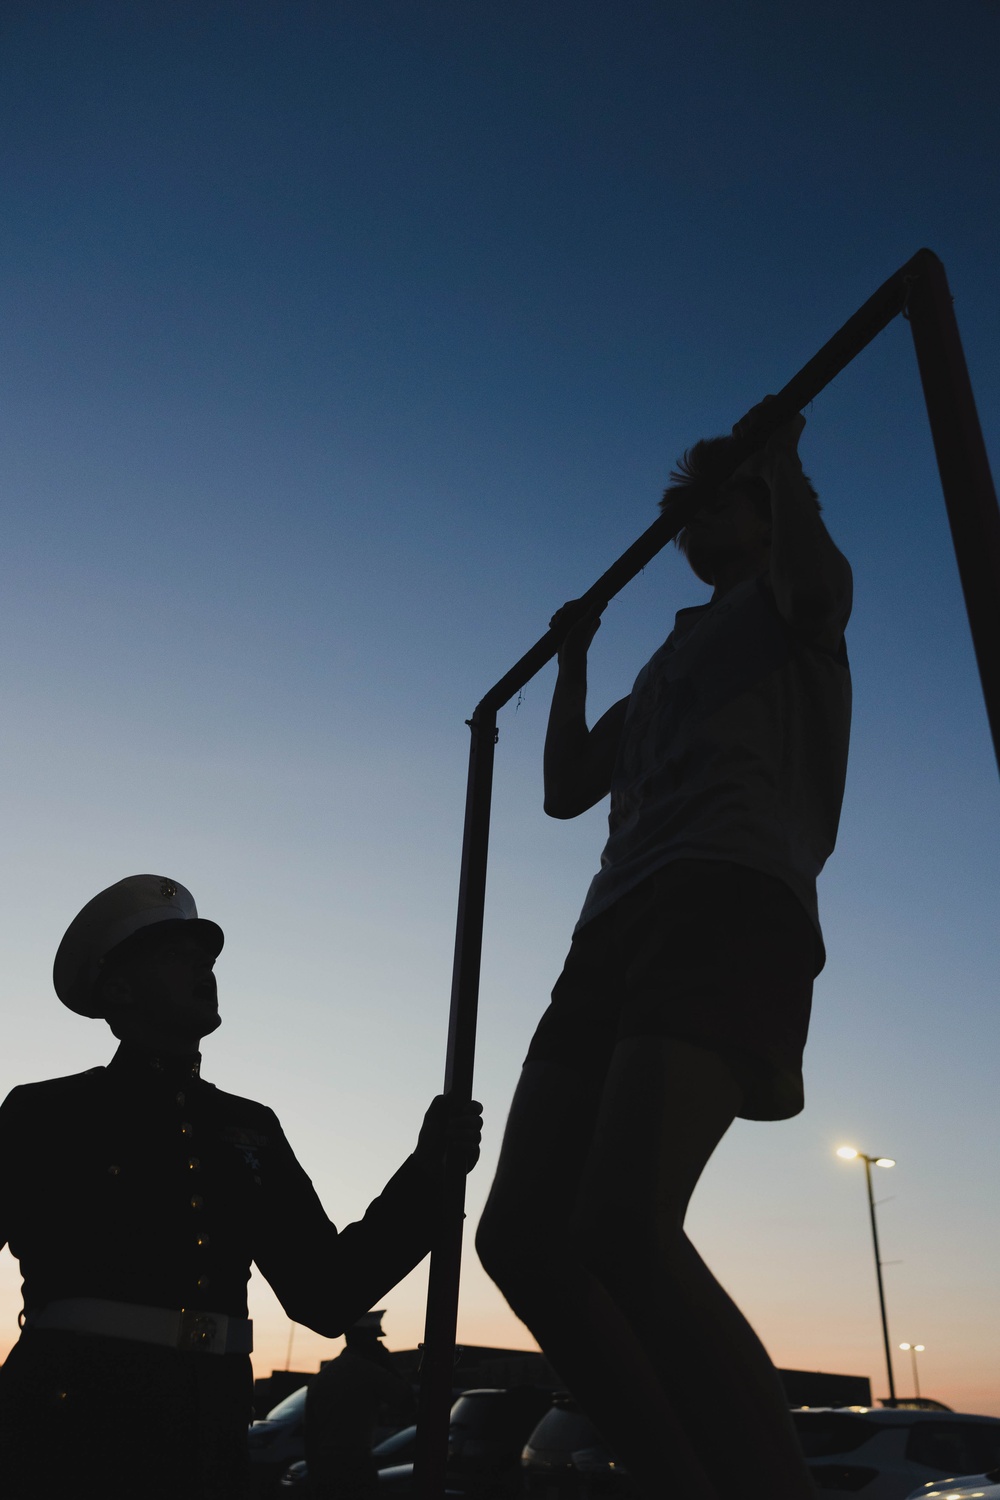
(12,1147)
(8,1147)
(327,1278)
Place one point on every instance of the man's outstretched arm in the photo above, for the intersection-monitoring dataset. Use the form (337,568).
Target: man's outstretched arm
(578,762)
(327,1278)
(810,576)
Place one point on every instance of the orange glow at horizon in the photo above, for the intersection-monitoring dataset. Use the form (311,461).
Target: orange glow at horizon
(962,1384)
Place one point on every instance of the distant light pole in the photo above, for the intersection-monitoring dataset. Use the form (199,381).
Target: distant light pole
(849,1154)
(914,1349)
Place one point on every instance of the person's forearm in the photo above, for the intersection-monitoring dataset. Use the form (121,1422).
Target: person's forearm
(327,1280)
(567,733)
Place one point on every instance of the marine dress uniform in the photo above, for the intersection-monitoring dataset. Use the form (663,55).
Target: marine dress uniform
(136,1196)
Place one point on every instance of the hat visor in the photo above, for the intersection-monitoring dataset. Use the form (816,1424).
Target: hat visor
(209,934)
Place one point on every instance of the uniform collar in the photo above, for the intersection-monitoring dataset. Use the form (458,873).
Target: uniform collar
(174,1070)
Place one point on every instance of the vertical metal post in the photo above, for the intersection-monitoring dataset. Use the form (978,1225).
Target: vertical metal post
(964,467)
(878,1273)
(446,1258)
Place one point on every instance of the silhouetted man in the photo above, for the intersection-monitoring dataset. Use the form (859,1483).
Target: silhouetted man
(136,1197)
(344,1402)
(685,998)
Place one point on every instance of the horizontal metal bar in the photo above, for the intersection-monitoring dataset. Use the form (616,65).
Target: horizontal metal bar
(805,386)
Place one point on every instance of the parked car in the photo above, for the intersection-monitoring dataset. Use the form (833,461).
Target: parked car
(885,1454)
(565,1458)
(295,1483)
(488,1430)
(277,1440)
(485,1438)
(395,1449)
(277,1445)
(295,1479)
(875,1453)
(965,1487)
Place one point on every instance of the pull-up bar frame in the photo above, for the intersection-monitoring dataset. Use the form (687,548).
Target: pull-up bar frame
(918,290)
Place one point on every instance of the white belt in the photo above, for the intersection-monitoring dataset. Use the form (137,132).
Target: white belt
(188,1328)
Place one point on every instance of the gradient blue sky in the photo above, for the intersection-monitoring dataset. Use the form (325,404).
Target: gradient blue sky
(342,343)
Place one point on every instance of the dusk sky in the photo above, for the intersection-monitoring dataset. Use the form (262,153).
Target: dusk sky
(343,342)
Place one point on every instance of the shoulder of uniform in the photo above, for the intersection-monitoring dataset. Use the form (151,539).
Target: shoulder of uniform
(71,1083)
(235,1101)
(49,1091)
(235,1107)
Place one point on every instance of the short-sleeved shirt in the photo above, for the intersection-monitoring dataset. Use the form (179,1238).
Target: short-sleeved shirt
(734,747)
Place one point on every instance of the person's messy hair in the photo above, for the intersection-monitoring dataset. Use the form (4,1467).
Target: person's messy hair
(707,467)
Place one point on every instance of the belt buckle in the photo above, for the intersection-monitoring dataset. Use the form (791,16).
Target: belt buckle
(201,1332)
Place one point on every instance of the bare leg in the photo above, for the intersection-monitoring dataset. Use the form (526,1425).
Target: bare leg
(583,1233)
(528,1243)
(665,1106)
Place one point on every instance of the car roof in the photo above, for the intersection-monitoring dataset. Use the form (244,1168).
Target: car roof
(903,1416)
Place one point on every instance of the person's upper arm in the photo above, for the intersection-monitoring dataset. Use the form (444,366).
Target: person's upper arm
(820,608)
(11,1147)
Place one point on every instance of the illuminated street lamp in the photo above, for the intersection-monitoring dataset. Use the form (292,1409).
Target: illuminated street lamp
(914,1349)
(849,1154)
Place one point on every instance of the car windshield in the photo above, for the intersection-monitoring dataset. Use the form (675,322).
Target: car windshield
(291,1409)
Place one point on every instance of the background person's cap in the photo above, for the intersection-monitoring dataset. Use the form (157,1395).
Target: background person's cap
(118,913)
(370,1323)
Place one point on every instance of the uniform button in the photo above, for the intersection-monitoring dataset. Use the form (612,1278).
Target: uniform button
(114,1171)
(202,1242)
(202,1283)
(187,1128)
(193,1164)
(197,1200)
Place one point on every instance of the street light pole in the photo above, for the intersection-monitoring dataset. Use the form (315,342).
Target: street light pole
(878,1272)
(914,1349)
(849,1153)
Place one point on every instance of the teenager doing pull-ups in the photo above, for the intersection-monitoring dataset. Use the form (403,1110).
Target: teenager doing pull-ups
(685,999)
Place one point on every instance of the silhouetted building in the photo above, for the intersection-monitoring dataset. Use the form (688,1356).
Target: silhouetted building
(816,1388)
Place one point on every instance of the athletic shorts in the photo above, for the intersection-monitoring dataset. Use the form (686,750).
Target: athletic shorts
(706,951)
